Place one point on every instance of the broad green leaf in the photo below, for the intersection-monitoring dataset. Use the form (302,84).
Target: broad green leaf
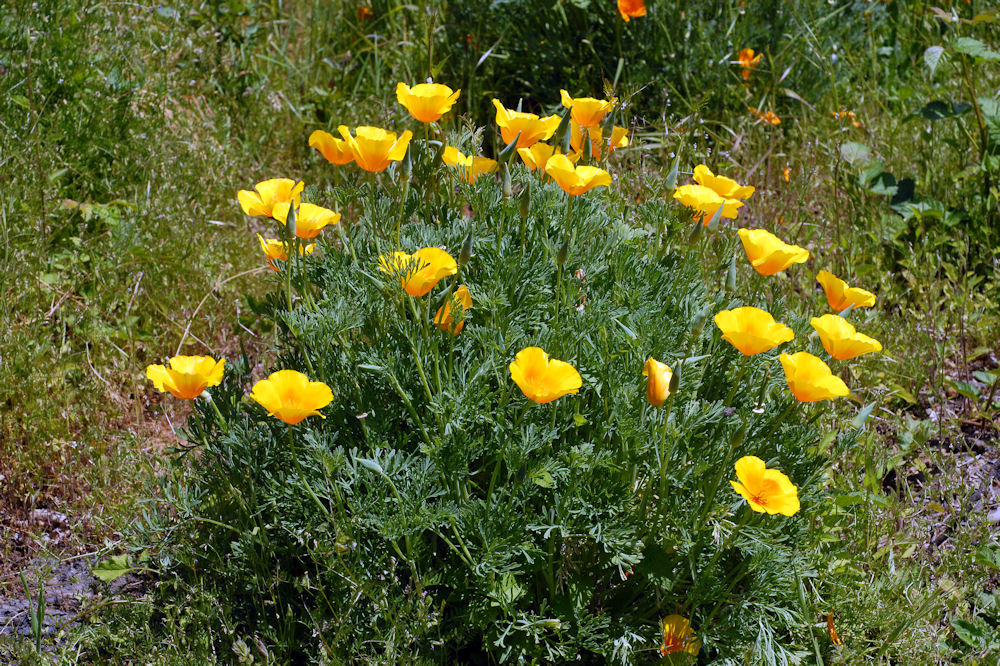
(855,154)
(964,389)
(932,56)
(975,48)
(112,568)
(939,110)
(542,477)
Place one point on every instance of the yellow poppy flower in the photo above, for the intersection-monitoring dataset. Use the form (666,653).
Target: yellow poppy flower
(543,379)
(724,187)
(678,636)
(187,376)
(768,254)
(748,61)
(275,250)
(336,151)
(840,296)
(472,166)
(619,139)
(704,202)
(532,128)
(752,330)
(587,111)
(443,319)
(290,396)
(538,155)
(575,180)
(268,193)
(765,490)
(841,340)
(309,218)
(374,148)
(426,102)
(769,117)
(420,271)
(810,379)
(658,384)
(628,9)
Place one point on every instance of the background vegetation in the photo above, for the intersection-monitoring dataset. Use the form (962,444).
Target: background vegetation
(127,130)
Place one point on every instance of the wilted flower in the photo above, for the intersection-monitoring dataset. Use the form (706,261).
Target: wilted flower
(374,148)
(748,61)
(275,250)
(769,254)
(678,637)
(840,296)
(268,193)
(337,151)
(841,340)
(765,490)
(752,330)
(724,187)
(472,166)
(187,376)
(443,319)
(810,379)
(630,9)
(587,111)
(619,139)
(288,395)
(532,128)
(658,384)
(309,218)
(426,102)
(575,180)
(420,271)
(538,155)
(543,379)
(704,202)
(769,117)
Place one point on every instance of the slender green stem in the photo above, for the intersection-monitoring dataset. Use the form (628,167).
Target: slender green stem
(298,468)
(736,382)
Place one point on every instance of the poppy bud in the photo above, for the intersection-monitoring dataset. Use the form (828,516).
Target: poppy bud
(507,187)
(525,202)
(698,323)
(466,253)
(290,220)
(671,181)
(713,224)
(563,253)
(406,166)
(695,234)
(562,130)
(675,379)
(731,276)
(509,150)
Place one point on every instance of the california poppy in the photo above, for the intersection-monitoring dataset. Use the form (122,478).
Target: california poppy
(472,166)
(187,376)
(810,379)
(840,295)
(543,379)
(704,202)
(426,102)
(420,271)
(268,193)
(768,254)
(288,395)
(765,490)
(538,155)
(752,330)
(748,61)
(575,180)
(619,139)
(724,187)
(336,151)
(587,111)
(841,340)
(531,128)
(678,636)
(374,148)
(443,319)
(658,382)
(276,250)
(309,218)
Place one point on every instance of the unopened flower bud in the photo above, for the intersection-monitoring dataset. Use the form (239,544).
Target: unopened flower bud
(525,202)
(563,253)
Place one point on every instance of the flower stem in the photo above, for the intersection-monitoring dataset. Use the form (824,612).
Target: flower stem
(298,468)
(736,382)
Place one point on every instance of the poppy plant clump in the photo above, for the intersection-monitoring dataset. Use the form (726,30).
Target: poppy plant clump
(188,376)
(419,272)
(543,379)
(841,340)
(266,194)
(765,490)
(289,396)
(768,254)
(426,102)
(752,330)
(810,379)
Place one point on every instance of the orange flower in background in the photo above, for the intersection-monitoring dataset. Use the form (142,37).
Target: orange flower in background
(678,637)
(309,218)
(765,490)
(543,379)
(787,173)
(426,102)
(267,194)
(810,379)
(769,117)
(619,139)
(752,330)
(374,148)
(658,384)
(276,250)
(748,61)
(420,271)
(587,111)
(364,13)
(629,9)
(336,151)
(532,128)
(841,296)
(188,376)
(724,187)
(704,202)
(538,155)
(768,254)
(841,340)
(443,319)
(288,395)
(575,180)
(472,166)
